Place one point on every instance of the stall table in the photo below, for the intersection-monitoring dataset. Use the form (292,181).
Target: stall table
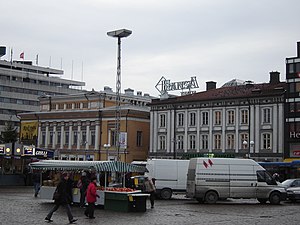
(125,201)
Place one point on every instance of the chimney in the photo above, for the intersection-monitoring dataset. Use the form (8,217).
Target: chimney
(274,77)
(129,91)
(210,85)
(298,49)
(139,93)
(107,89)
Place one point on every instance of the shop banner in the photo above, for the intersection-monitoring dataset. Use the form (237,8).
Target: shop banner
(29,131)
(28,150)
(2,149)
(123,140)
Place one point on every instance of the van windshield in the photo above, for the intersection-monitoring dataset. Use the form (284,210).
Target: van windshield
(264,176)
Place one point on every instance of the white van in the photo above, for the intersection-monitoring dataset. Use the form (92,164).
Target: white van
(170,175)
(210,179)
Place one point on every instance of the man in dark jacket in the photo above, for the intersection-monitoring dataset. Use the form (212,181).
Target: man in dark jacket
(63,198)
(83,187)
(36,182)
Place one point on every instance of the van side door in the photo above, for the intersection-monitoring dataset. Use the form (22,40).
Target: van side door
(242,181)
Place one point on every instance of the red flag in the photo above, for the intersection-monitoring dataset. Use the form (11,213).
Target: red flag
(210,162)
(205,164)
(22,55)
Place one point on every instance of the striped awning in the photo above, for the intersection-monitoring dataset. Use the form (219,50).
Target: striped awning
(98,166)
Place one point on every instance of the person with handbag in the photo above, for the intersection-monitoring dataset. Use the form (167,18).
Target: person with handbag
(91,198)
(149,188)
(61,197)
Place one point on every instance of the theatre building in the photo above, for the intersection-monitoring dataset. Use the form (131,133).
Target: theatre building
(82,126)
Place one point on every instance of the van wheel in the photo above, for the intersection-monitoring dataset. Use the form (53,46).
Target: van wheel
(275,198)
(211,197)
(262,200)
(166,194)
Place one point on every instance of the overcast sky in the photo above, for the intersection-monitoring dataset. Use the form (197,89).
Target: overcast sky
(214,40)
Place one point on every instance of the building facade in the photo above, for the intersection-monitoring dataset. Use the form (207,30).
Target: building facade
(232,121)
(82,126)
(292,107)
(21,83)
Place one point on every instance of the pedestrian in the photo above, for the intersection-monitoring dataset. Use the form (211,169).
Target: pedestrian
(91,198)
(62,198)
(83,184)
(36,177)
(149,188)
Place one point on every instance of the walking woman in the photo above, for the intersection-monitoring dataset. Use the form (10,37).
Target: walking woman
(91,198)
(62,197)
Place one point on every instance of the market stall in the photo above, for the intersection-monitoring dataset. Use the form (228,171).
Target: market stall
(108,195)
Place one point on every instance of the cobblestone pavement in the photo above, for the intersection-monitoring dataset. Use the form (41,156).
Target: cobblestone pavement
(19,206)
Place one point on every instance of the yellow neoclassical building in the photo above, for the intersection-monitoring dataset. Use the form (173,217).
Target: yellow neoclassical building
(83,126)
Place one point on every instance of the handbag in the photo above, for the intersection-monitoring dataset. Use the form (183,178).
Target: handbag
(56,195)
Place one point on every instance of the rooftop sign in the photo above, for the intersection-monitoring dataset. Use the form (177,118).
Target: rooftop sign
(164,85)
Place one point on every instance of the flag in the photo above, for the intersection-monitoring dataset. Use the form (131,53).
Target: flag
(205,164)
(22,55)
(210,162)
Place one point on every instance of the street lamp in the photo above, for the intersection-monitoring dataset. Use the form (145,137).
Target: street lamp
(118,34)
(251,146)
(106,146)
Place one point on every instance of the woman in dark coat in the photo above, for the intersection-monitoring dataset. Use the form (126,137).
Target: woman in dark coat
(63,198)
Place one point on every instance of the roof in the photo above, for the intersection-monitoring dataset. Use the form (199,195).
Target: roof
(230,92)
(99,166)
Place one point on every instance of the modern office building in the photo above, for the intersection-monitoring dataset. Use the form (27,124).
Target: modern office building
(21,83)
(236,120)
(82,126)
(292,107)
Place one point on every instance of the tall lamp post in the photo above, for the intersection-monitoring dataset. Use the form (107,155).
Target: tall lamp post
(118,34)
(106,146)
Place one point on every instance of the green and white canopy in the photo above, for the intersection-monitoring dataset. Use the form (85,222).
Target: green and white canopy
(98,166)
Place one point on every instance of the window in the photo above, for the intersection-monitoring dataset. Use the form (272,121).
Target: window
(51,137)
(162,120)
(244,137)
(58,137)
(192,141)
(218,118)
(244,116)
(75,137)
(192,119)
(83,138)
(204,141)
(180,121)
(77,105)
(162,142)
(93,138)
(179,142)
(69,105)
(217,141)
(43,138)
(230,141)
(266,141)
(230,117)
(139,138)
(204,118)
(266,115)
(67,137)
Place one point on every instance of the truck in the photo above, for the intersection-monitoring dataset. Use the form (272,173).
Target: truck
(170,176)
(211,179)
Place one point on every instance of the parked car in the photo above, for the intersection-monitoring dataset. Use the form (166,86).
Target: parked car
(292,187)
(291,183)
(293,193)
